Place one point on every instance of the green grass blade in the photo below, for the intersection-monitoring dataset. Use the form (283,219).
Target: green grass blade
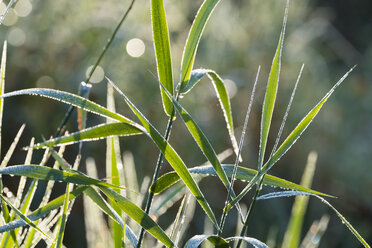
(94,133)
(197,240)
(2,86)
(116,229)
(63,218)
(42,211)
(113,162)
(200,139)
(71,99)
(270,95)
(138,215)
(289,141)
(168,199)
(222,96)
(107,209)
(171,156)
(25,218)
(244,174)
(297,193)
(12,147)
(293,233)
(162,51)
(46,173)
(189,52)
(254,242)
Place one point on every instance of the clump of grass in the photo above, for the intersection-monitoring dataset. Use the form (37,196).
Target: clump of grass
(128,223)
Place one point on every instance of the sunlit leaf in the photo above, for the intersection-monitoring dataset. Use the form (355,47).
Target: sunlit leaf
(243,174)
(25,218)
(138,215)
(217,241)
(46,173)
(171,156)
(297,193)
(42,211)
(288,142)
(71,99)
(93,133)
(222,96)
(162,51)
(189,52)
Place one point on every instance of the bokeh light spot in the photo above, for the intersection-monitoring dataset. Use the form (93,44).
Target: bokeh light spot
(16,37)
(230,87)
(11,17)
(135,47)
(23,8)
(45,82)
(97,76)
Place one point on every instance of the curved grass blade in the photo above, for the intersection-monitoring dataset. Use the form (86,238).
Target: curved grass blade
(200,139)
(297,193)
(293,233)
(222,96)
(138,215)
(94,133)
(25,218)
(46,173)
(2,86)
(270,95)
(289,141)
(255,242)
(162,51)
(217,241)
(42,211)
(243,174)
(171,156)
(189,52)
(71,99)
(107,209)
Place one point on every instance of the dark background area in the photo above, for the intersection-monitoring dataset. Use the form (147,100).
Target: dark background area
(53,44)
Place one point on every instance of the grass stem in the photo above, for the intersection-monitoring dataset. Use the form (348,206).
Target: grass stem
(157,171)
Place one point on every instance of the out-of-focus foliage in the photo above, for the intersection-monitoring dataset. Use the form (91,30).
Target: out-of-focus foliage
(53,43)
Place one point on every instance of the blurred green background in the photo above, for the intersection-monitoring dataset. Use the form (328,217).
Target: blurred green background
(53,43)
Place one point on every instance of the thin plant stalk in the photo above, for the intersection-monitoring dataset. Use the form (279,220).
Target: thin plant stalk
(230,190)
(157,171)
(104,50)
(259,186)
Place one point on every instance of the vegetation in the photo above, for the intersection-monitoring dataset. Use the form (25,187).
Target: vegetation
(120,196)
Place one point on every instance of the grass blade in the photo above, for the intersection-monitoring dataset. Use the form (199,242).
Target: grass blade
(189,52)
(171,156)
(217,241)
(222,96)
(42,211)
(138,215)
(297,193)
(244,174)
(162,51)
(71,99)
(25,218)
(93,133)
(107,209)
(12,147)
(113,162)
(289,141)
(63,219)
(270,95)
(293,233)
(255,242)
(2,86)
(46,173)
